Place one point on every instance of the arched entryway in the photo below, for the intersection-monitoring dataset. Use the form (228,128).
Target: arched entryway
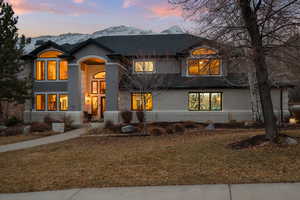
(93,81)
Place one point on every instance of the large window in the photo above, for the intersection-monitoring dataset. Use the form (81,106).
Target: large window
(40,102)
(51,70)
(205,101)
(52,102)
(63,70)
(204,62)
(54,67)
(63,102)
(141,101)
(40,70)
(144,66)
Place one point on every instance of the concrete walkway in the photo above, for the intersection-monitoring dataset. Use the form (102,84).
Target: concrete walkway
(280,191)
(41,141)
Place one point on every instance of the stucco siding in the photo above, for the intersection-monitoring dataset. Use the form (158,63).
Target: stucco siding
(91,50)
(50,86)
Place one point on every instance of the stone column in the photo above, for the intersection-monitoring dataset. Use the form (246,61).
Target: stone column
(112,86)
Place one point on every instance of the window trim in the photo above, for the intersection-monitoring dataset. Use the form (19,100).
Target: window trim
(141,93)
(210,110)
(144,60)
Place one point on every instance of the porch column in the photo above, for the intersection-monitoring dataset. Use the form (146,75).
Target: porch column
(74,87)
(112,86)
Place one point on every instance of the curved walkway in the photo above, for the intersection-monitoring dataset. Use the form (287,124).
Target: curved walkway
(277,191)
(41,141)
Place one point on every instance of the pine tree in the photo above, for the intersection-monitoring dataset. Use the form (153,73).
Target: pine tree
(12,87)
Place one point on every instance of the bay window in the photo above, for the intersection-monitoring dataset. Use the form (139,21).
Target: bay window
(205,101)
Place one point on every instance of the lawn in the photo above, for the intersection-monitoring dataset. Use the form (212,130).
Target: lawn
(198,158)
(21,138)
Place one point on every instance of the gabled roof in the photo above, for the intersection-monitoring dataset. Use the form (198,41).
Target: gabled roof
(133,45)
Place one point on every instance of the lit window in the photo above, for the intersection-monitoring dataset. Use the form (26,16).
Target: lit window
(94,87)
(40,70)
(203,51)
(102,87)
(141,101)
(51,70)
(52,102)
(40,102)
(50,54)
(100,75)
(144,66)
(205,101)
(204,67)
(63,70)
(63,102)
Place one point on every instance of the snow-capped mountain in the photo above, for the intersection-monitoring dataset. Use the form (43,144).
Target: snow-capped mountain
(72,38)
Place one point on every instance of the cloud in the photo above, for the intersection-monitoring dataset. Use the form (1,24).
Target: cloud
(78,1)
(22,7)
(155,8)
(165,10)
(129,3)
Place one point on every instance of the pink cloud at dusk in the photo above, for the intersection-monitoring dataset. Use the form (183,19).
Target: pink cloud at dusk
(22,7)
(156,8)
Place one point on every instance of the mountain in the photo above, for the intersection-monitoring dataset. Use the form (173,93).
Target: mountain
(72,38)
(173,30)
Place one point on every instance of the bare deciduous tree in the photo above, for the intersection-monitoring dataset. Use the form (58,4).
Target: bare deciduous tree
(260,28)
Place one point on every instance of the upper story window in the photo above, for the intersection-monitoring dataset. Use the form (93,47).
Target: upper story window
(143,66)
(204,62)
(49,65)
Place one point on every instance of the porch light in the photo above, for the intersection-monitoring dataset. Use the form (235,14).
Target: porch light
(293,121)
(87,99)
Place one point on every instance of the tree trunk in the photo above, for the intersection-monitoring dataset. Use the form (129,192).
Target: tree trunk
(254,95)
(259,60)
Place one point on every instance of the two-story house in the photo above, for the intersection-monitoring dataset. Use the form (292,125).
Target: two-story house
(87,78)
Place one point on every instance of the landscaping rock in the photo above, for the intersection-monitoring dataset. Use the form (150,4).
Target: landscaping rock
(249,123)
(128,129)
(26,130)
(290,141)
(2,127)
(210,127)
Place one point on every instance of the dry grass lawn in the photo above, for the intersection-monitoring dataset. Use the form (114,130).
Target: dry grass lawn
(138,161)
(21,138)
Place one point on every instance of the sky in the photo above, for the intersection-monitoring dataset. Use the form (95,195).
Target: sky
(53,17)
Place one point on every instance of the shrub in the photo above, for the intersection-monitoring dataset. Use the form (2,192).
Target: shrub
(12,121)
(12,131)
(169,130)
(68,121)
(140,115)
(126,116)
(40,127)
(111,126)
(189,124)
(179,128)
(108,124)
(48,119)
(157,131)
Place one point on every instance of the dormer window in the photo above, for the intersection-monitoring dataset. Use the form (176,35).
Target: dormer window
(143,66)
(49,66)
(204,61)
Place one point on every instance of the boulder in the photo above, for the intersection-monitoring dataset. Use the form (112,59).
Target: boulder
(26,130)
(290,141)
(210,127)
(2,127)
(128,129)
